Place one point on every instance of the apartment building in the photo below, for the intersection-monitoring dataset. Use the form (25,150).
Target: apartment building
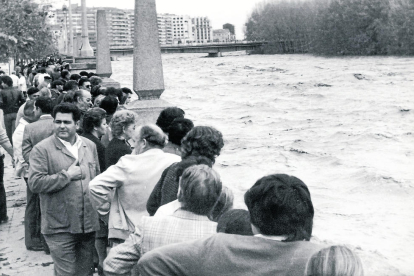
(119,29)
(202,29)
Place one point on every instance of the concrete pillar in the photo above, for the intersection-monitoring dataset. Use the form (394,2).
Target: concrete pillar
(103,55)
(148,73)
(86,50)
(70,46)
(77,46)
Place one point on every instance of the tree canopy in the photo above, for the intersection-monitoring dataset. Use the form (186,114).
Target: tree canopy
(335,27)
(23,30)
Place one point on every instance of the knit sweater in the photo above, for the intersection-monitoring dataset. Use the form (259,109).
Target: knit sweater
(166,189)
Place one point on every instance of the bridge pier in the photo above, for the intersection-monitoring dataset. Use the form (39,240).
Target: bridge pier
(217,54)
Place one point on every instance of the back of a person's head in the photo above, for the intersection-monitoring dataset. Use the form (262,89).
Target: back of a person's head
(67,108)
(178,129)
(93,118)
(45,92)
(95,80)
(113,92)
(281,205)
(202,140)
(71,85)
(7,80)
(83,74)
(75,77)
(154,136)
(64,73)
(335,261)
(56,83)
(109,104)
(222,205)
(200,187)
(45,104)
(235,221)
(29,110)
(167,116)
(42,70)
(69,97)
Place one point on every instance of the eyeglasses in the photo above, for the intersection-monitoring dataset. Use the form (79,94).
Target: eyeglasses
(88,86)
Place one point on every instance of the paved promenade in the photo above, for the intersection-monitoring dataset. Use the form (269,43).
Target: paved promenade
(14,258)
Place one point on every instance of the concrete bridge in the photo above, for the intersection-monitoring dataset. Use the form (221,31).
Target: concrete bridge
(213,49)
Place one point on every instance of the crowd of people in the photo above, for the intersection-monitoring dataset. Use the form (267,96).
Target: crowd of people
(98,182)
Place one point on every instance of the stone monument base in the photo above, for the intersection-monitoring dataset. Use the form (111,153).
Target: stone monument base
(148,110)
(108,82)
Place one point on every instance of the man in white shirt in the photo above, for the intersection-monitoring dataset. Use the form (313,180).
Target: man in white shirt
(61,167)
(15,79)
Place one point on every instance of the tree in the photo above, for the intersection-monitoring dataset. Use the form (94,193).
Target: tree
(23,31)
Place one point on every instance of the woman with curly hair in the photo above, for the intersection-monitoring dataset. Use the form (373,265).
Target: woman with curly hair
(200,146)
(123,127)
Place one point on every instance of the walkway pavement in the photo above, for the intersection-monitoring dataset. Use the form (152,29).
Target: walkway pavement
(14,258)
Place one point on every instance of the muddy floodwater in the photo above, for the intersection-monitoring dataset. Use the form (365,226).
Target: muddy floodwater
(345,126)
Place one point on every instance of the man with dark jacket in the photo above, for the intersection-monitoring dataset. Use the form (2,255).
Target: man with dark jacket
(10,101)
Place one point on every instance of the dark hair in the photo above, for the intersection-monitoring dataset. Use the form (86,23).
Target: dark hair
(83,73)
(154,136)
(126,90)
(125,97)
(280,204)
(178,129)
(75,77)
(202,140)
(32,90)
(91,74)
(70,85)
(222,205)
(200,188)
(82,81)
(68,97)
(56,83)
(47,78)
(93,118)
(45,104)
(2,72)
(235,221)
(67,108)
(95,80)
(114,92)
(42,71)
(109,104)
(167,116)
(64,73)
(7,80)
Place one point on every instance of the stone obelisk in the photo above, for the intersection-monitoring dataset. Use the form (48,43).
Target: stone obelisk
(86,50)
(148,73)
(103,55)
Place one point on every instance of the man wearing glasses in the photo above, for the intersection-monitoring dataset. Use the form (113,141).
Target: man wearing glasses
(85,84)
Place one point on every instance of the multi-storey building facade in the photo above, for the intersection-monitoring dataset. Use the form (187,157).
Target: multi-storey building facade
(119,30)
(202,30)
(172,28)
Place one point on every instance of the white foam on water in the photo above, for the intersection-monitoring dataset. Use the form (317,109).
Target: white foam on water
(351,141)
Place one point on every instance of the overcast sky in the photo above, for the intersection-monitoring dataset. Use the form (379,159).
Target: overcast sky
(219,12)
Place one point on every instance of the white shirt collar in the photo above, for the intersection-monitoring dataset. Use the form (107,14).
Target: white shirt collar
(73,148)
(275,238)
